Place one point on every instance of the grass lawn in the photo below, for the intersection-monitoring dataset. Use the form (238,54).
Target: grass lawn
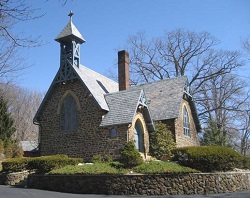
(153,167)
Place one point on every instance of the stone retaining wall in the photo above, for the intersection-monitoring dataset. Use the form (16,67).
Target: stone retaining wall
(13,178)
(165,184)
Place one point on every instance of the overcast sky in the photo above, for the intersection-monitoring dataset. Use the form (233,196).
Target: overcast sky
(106,25)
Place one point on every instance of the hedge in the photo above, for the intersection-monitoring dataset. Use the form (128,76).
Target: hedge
(15,165)
(40,165)
(210,158)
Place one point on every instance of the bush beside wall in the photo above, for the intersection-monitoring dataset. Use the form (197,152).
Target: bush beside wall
(42,164)
(210,158)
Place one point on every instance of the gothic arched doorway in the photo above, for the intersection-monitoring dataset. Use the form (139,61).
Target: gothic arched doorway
(138,136)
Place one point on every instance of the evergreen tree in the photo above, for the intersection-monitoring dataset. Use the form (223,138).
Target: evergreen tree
(7,128)
(161,141)
(213,135)
(1,147)
(130,156)
(8,149)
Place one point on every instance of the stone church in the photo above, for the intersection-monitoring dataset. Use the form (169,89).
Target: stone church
(85,113)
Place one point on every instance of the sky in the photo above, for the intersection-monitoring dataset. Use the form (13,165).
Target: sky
(107,24)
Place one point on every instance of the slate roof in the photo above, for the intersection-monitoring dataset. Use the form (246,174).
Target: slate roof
(97,84)
(68,31)
(29,145)
(168,94)
(164,100)
(165,93)
(122,107)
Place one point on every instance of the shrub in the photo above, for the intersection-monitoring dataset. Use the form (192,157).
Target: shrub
(1,147)
(15,165)
(159,167)
(42,164)
(246,162)
(17,151)
(99,158)
(208,158)
(130,156)
(108,158)
(96,159)
(161,142)
(97,168)
(45,164)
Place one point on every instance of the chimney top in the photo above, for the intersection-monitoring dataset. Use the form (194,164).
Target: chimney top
(123,70)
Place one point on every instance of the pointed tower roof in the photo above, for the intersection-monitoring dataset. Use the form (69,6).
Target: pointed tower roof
(70,31)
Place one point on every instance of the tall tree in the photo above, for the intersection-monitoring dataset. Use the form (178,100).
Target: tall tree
(221,97)
(23,104)
(213,135)
(218,93)
(179,53)
(221,100)
(241,139)
(246,45)
(13,12)
(6,122)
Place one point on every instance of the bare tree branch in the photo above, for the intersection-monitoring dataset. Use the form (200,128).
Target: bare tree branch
(220,96)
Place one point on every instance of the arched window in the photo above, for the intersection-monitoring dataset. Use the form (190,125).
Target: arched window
(186,124)
(68,114)
(138,135)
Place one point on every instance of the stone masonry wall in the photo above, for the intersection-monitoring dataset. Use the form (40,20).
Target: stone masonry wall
(181,139)
(13,178)
(89,139)
(165,184)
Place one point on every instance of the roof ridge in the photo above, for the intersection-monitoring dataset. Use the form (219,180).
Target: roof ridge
(93,71)
(124,91)
(158,81)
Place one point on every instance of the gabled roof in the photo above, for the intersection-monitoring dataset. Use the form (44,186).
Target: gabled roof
(97,84)
(165,93)
(168,94)
(68,31)
(123,106)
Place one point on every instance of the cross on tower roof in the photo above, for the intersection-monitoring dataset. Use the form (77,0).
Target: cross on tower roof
(70,15)
(69,32)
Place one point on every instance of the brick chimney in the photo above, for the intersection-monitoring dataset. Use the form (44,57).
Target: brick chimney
(123,70)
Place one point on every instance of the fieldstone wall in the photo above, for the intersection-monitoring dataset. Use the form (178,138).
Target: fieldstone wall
(164,184)
(181,139)
(89,139)
(13,178)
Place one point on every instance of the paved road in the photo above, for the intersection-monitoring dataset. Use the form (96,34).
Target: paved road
(12,192)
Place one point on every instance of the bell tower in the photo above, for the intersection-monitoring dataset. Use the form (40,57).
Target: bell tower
(70,40)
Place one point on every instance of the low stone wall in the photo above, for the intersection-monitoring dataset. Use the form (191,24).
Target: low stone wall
(165,184)
(13,178)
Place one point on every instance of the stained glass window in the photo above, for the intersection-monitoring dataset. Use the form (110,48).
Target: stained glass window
(186,124)
(68,115)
